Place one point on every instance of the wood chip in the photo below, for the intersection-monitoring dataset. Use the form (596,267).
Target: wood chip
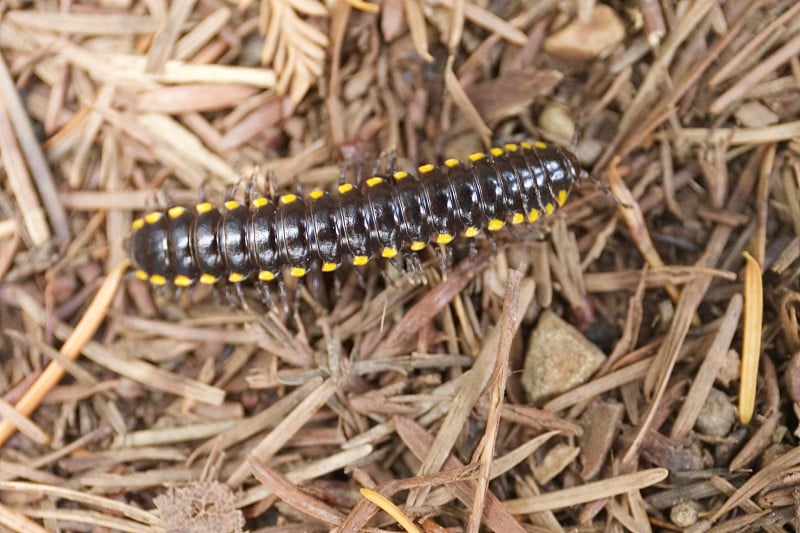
(585,39)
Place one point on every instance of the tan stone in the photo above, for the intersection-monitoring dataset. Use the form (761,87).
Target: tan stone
(587,39)
(559,358)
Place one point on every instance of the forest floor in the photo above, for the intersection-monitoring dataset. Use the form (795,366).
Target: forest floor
(629,362)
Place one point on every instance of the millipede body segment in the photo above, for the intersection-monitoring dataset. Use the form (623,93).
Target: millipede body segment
(393,216)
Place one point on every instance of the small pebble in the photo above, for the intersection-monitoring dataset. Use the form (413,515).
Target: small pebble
(587,39)
(683,514)
(559,358)
(717,416)
(729,371)
(556,121)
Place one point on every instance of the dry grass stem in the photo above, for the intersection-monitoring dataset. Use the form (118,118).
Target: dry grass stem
(588,492)
(707,374)
(71,349)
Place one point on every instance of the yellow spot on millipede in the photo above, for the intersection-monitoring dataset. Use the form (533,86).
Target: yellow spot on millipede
(316,194)
(540,145)
(260,202)
(230,205)
(345,188)
(388,253)
(297,272)
(424,169)
(400,174)
(496,152)
(374,180)
(549,208)
(533,216)
(266,275)
(157,279)
(471,232)
(526,145)
(360,260)
(142,275)
(416,246)
(477,156)
(182,281)
(518,218)
(137,224)
(208,279)
(562,197)
(152,218)
(444,238)
(496,224)
(512,147)
(329,267)
(205,207)
(288,198)
(235,277)
(175,212)
(450,163)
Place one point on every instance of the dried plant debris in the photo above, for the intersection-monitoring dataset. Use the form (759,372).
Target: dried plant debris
(631,361)
(200,507)
(293,45)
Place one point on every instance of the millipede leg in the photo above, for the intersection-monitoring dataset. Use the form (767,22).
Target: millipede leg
(163,291)
(250,188)
(316,285)
(265,295)
(398,265)
(387,280)
(414,263)
(296,298)
(226,192)
(349,164)
(337,285)
(492,243)
(272,180)
(343,172)
(202,193)
(360,278)
(242,299)
(217,296)
(229,299)
(534,232)
(389,167)
(298,187)
(391,160)
(440,253)
(168,200)
(415,270)
(282,293)
(192,293)
(515,232)
(472,251)
(151,201)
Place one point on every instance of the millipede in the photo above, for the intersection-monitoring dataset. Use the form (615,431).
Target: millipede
(390,217)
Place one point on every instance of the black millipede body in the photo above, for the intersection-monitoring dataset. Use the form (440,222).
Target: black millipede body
(393,216)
